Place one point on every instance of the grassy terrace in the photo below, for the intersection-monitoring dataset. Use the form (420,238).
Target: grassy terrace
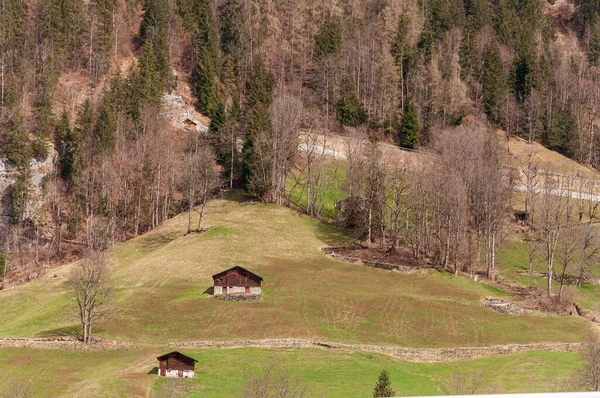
(161,280)
(222,373)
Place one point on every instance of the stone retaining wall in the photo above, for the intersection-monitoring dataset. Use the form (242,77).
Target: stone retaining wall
(407,354)
(373,264)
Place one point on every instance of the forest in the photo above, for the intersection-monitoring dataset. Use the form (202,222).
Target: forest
(83,82)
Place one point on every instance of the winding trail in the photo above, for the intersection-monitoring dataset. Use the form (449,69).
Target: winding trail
(422,355)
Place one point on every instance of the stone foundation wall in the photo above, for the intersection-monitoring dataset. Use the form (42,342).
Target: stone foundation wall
(235,290)
(175,373)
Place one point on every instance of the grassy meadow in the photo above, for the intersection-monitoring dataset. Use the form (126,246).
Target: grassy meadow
(224,372)
(162,279)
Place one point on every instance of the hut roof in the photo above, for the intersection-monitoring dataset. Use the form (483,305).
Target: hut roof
(236,268)
(176,353)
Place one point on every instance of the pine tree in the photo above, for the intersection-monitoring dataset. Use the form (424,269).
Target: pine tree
(67,147)
(104,130)
(410,133)
(494,83)
(349,110)
(328,40)
(256,169)
(153,30)
(562,134)
(218,119)
(229,24)
(383,387)
(2,264)
(594,40)
(208,65)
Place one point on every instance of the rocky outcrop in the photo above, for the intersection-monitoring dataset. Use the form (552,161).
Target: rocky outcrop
(39,170)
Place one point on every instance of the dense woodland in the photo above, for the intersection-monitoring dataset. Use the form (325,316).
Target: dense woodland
(261,70)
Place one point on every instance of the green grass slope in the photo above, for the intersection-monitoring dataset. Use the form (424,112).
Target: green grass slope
(223,373)
(161,280)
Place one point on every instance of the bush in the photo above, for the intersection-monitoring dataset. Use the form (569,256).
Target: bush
(2,264)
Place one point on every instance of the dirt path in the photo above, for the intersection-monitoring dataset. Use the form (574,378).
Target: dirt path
(425,355)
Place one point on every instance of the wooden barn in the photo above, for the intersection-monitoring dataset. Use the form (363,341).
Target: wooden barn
(237,280)
(176,364)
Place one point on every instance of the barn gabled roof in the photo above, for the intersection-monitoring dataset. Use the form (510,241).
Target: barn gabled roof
(236,268)
(176,353)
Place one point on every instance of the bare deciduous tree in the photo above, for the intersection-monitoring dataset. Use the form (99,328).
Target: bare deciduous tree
(274,382)
(591,367)
(16,388)
(556,208)
(199,180)
(91,290)
(286,115)
(466,383)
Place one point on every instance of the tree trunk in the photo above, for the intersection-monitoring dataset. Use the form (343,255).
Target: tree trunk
(202,212)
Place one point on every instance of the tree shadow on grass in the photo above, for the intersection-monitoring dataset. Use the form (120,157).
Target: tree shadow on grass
(154,242)
(68,331)
(333,235)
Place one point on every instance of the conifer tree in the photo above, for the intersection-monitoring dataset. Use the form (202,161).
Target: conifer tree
(104,130)
(328,40)
(410,133)
(208,65)
(205,77)
(594,40)
(153,30)
(494,83)
(218,119)
(256,168)
(383,387)
(67,147)
(349,110)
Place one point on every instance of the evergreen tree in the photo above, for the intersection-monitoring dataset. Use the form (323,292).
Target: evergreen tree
(66,146)
(104,130)
(19,194)
(562,134)
(383,387)
(208,34)
(146,87)
(522,76)
(328,40)
(256,168)
(594,40)
(494,83)
(349,110)
(230,24)
(208,65)
(205,78)
(17,146)
(410,133)
(153,30)
(218,119)
(2,264)
(479,14)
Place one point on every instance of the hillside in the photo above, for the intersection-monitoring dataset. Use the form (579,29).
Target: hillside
(161,279)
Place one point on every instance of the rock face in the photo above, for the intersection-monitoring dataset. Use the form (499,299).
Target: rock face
(39,170)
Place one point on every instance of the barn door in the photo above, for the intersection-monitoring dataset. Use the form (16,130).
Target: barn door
(163,368)
(180,374)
